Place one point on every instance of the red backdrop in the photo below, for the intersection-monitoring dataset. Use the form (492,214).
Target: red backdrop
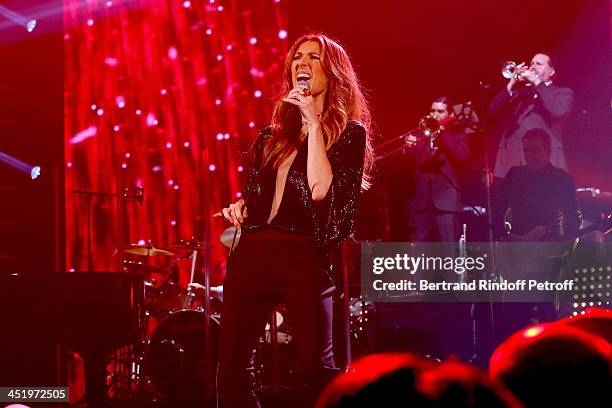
(167,95)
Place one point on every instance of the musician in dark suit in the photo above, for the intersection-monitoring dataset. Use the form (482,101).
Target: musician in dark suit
(433,209)
(543,206)
(530,100)
(538,194)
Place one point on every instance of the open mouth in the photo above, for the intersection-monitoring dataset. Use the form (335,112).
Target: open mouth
(303,76)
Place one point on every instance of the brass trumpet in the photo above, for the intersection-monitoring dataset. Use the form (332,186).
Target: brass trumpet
(510,69)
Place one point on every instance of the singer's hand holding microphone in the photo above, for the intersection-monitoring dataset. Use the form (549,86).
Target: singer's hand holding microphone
(300,96)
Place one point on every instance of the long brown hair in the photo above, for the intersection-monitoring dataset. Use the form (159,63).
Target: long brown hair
(344,101)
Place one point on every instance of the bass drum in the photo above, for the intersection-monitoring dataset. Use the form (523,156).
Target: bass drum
(176,360)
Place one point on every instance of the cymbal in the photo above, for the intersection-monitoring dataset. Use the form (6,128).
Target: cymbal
(146,250)
(227,237)
(188,244)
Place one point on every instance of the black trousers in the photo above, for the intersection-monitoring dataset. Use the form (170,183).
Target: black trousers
(433,225)
(266,268)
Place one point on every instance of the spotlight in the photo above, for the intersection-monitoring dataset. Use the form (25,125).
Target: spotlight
(31,25)
(33,171)
(18,19)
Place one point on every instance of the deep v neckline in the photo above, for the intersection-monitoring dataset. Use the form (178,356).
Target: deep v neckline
(280,190)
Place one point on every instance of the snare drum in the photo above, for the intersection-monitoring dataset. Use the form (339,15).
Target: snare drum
(171,298)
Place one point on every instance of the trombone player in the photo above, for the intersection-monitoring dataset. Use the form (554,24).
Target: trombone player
(529,101)
(438,150)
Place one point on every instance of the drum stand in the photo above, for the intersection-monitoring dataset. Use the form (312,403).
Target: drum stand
(274,354)
(270,337)
(211,364)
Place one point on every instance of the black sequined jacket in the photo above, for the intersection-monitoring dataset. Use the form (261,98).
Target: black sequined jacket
(328,221)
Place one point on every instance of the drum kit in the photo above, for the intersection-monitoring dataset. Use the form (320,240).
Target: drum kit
(176,358)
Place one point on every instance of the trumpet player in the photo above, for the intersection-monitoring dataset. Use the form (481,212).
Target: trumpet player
(434,207)
(530,100)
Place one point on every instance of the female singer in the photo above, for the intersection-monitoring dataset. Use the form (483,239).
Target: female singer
(300,201)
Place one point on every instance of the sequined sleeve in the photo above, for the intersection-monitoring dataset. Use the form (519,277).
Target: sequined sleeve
(256,160)
(339,209)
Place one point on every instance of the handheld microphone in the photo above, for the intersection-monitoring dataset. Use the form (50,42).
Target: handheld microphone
(304,83)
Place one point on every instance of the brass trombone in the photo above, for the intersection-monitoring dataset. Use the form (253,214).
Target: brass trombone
(462,116)
(428,126)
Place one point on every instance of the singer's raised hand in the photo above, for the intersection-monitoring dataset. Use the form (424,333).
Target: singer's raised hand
(234,213)
(305,103)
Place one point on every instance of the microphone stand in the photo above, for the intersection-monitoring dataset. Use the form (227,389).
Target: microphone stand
(488,177)
(488,180)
